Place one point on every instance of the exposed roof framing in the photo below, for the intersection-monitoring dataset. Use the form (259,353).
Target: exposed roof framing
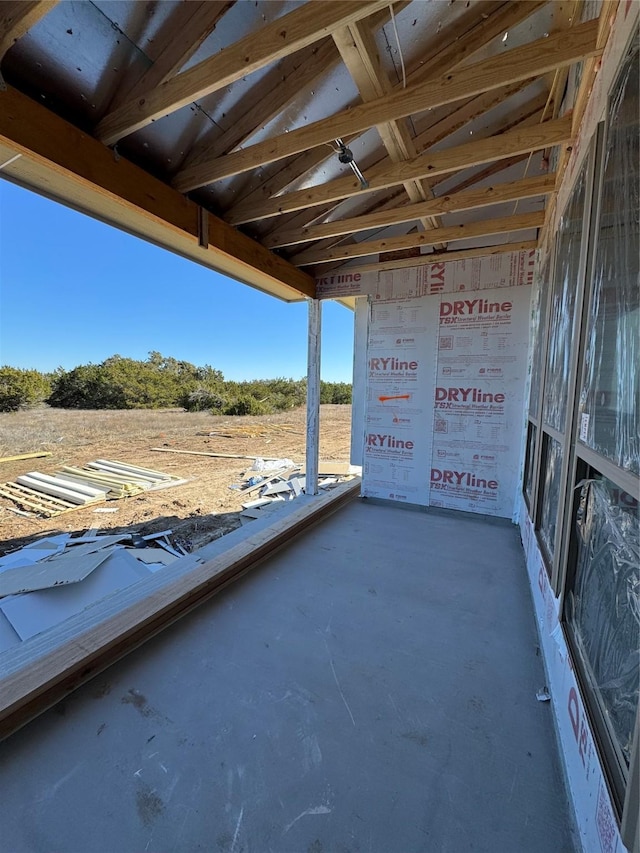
(285,35)
(192,24)
(520,64)
(17,18)
(223,116)
(429,164)
(480,197)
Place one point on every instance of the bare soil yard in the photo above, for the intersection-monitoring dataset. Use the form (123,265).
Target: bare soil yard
(198,511)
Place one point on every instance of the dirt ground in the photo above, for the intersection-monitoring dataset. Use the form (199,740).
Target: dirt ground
(198,511)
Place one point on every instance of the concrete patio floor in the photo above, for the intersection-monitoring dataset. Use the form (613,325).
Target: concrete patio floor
(372,687)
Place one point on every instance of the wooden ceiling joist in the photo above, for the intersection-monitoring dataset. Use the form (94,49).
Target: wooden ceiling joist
(360,55)
(294,31)
(268,99)
(456,43)
(481,197)
(192,24)
(274,93)
(471,230)
(522,63)
(292,224)
(441,257)
(30,129)
(430,164)
(312,159)
(17,18)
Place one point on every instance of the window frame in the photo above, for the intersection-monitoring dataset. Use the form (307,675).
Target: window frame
(578,461)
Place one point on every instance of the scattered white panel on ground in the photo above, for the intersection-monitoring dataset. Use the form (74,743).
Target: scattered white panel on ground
(153,555)
(34,612)
(49,573)
(96,545)
(255,504)
(8,635)
(276,488)
(53,543)
(12,561)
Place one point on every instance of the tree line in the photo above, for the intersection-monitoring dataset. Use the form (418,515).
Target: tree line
(159,382)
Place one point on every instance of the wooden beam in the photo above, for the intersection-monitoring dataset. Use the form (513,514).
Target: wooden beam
(455,44)
(267,99)
(481,197)
(312,214)
(190,25)
(21,456)
(294,31)
(121,623)
(275,92)
(470,230)
(429,164)
(604,21)
(30,129)
(465,113)
(461,40)
(522,63)
(294,223)
(442,257)
(17,18)
(312,159)
(491,170)
(360,55)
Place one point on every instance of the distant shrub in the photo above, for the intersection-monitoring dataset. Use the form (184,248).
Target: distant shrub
(161,382)
(338,393)
(20,388)
(124,383)
(203,399)
(246,405)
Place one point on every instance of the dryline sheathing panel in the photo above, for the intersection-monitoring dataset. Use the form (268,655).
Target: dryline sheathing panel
(446,366)
(594,813)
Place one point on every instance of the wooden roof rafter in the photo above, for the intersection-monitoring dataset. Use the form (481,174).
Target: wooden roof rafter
(192,24)
(456,44)
(481,228)
(523,63)
(294,31)
(292,225)
(465,200)
(253,110)
(17,18)
(428,164)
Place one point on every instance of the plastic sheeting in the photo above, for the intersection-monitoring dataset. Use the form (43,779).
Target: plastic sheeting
(550,494)
(562,310)
(604,604)
(610,397)
(529,461)
(538,316)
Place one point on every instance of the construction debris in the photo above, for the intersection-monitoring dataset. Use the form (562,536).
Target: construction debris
(284,484)
(52,579)
(72,488)
(202,453)
(25,456)
(255,431)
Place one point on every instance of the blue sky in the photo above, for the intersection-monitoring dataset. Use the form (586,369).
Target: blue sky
(74,291)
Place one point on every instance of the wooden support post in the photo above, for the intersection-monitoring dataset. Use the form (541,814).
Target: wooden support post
(313,396)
